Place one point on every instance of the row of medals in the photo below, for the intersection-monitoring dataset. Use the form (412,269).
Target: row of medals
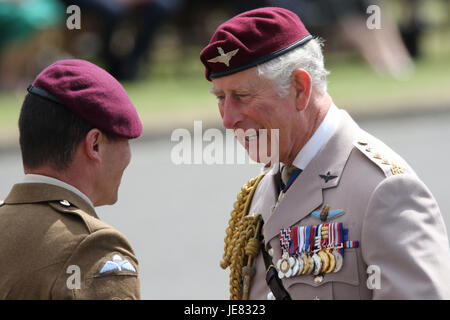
(316,262)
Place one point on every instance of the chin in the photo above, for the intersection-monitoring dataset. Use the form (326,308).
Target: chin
(256,157)
(263,155)
(264,149)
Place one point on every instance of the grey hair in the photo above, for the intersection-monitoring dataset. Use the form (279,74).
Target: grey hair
(308,57)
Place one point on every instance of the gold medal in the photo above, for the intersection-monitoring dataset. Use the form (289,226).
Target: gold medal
(335,242)
(305,264)
(284,264)
(310,264)
(332,261)
(325,260)
(318,279)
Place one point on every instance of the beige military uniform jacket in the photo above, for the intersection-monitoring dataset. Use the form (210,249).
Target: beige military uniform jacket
(53,246)
(387,208)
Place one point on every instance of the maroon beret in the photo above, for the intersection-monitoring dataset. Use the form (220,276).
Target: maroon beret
(91,93)
(252,38)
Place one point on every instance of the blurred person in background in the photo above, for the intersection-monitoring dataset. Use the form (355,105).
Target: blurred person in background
(121,32)
(383,49)
(27,32)
(124,53)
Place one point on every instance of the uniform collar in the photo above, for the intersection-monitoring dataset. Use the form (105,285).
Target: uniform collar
(318,140)
(37,192)
(320,137)
(38,178)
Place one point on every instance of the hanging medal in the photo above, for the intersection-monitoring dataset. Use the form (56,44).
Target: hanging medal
(338,246)
(316,246)
(294,251)
(328,250)
(323,232)
(299,249)
(308,249)
(302,253)
(285,263)
(313,249)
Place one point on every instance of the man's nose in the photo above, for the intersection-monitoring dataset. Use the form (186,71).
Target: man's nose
(230,113)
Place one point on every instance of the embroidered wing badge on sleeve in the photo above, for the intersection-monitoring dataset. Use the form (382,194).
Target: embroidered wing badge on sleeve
(117,263)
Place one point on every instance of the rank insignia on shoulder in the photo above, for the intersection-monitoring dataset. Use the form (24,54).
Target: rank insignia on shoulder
(325,214)
(117,263)
(388,166)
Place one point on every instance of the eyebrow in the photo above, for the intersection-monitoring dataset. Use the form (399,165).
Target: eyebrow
(250,88)
(214,91)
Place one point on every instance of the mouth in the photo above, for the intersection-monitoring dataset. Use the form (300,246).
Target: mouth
(251,137)
(252,140)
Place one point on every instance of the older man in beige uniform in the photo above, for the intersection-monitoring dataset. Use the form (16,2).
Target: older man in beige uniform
(344,216)
(74,125)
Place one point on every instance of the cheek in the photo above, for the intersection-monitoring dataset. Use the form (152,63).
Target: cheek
(125,159)
(221,110)
(128,154)
(264,114)
(120,159)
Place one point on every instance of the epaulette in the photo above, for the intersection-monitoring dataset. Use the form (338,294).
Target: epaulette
(387,165)
(92,224)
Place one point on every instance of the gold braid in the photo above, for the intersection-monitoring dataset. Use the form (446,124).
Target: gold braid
(241,243)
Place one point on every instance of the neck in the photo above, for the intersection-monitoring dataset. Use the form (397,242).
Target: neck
(75,180)
(310,120)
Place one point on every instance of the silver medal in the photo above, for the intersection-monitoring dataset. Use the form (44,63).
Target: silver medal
(317,264)
(339,260)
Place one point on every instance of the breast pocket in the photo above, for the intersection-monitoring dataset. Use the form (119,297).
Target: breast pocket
(343,284)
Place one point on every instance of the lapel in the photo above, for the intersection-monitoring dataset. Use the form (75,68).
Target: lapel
(268,187)
(22,193)
(306,193)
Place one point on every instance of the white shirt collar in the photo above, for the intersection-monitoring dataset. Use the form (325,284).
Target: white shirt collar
(38,178)
(319,138)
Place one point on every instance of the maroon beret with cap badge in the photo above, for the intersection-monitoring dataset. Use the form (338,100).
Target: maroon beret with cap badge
(91,93)
(252,38)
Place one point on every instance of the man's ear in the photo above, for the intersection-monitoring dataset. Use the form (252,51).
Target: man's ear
(92,143)
(302,84)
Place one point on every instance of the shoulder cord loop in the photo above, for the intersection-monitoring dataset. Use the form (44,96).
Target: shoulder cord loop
(241,242)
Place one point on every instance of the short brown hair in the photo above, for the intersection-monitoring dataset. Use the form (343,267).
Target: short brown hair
(49,133)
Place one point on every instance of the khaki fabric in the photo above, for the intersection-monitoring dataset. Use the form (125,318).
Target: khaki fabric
(53,246)
(387,208)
